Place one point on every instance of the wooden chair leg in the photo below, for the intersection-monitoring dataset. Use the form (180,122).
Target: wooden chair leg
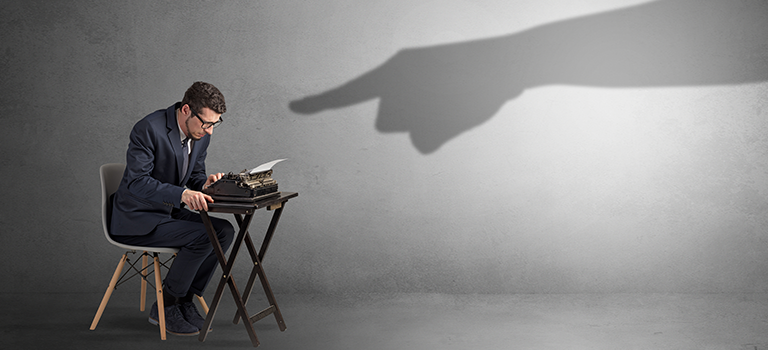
(160,304)
(144,259)
(203,304)
(110,289)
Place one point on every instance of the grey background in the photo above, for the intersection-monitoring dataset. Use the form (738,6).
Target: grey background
(512,147)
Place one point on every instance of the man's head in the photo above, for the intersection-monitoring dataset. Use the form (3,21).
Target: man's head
(201,95)
(201,110)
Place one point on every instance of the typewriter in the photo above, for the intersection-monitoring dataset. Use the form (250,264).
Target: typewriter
(245,186)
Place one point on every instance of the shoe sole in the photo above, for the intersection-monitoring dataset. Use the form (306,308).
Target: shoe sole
(157,323)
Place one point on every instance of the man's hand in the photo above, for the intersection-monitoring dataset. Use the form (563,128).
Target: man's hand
(212,178)
(196,200)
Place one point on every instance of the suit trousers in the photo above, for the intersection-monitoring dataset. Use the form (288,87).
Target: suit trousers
(196,261)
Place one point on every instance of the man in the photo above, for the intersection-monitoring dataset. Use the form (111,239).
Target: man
(165,170)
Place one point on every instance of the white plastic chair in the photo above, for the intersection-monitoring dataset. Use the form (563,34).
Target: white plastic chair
(111,174)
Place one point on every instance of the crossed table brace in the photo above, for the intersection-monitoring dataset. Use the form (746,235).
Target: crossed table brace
(243,213)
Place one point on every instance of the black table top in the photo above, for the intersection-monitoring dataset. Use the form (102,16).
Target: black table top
(241,207)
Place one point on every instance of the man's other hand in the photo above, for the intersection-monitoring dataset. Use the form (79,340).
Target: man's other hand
(212,178)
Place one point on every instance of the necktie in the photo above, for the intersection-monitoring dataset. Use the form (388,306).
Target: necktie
(185,153)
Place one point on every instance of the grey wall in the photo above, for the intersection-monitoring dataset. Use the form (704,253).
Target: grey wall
(437,146)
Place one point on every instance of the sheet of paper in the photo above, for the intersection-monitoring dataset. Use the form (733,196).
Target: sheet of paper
(265,166)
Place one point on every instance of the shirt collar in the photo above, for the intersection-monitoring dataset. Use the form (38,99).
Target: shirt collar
(182,137)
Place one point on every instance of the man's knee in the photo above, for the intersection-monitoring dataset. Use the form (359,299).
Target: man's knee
(225,232)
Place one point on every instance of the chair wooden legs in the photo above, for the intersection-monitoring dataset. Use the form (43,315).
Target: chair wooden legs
(203,304)
(160,303)
(158,291)
(109,291)
(158,287)
(143,303)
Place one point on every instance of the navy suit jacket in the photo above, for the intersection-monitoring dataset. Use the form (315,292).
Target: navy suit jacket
(152,182)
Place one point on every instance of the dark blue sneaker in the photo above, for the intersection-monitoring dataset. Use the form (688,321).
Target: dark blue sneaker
(174,321)
(190,313)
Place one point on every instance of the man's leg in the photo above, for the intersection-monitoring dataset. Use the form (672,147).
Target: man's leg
(206,267)
(225,234)
(195,263)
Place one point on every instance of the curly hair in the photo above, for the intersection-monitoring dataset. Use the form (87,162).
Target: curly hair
(201,95)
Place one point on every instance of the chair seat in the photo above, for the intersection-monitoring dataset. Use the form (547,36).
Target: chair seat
(137,248)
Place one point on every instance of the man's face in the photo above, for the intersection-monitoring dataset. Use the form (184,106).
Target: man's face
(198,123)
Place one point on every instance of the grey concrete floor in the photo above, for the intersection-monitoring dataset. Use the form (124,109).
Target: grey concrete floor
(408,321)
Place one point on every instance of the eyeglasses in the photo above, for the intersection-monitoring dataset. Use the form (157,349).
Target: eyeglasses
(206,124)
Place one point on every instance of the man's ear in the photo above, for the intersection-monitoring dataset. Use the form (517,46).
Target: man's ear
(186,110)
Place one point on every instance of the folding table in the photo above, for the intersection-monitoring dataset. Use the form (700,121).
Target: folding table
(243,213)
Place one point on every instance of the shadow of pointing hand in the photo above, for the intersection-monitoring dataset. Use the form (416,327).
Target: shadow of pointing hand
(438,92)
(434,93)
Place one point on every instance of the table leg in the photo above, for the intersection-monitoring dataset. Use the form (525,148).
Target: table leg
(227,278)
(251,279)
(258,270)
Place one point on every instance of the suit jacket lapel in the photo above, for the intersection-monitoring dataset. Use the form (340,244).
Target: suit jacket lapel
(174,137)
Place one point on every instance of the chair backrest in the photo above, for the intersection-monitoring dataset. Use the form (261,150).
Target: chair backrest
(111,175)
